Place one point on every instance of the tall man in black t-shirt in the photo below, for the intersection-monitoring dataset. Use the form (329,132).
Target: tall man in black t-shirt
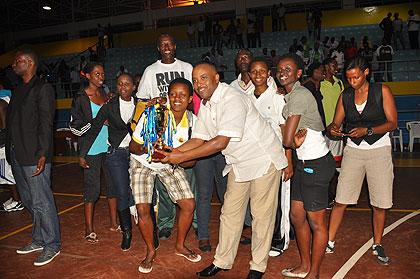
(29,150)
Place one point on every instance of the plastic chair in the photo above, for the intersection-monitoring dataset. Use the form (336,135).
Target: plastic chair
(413,128)
(397,135)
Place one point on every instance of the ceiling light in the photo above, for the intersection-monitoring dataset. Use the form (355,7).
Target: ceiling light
(47,8)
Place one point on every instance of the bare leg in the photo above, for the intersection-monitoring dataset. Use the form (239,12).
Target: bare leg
(112,205)
(378,224)
(184,223)
(89,207)
(318,223)
(146,229)
(303,235)
(336,217)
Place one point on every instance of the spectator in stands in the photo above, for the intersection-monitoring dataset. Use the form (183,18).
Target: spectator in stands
(309,199)
(117,112)
(259,28)
(251,29)
(110,34)
(282,17)
(29,150)
(398,28)
(75,81)
(316,54)
(239,34)
(366,51)
(143,173)
(101,36)
(351,49)
(274,61)
(121,71)
(413,22)
(266,155)
(231,31)
(293,48)
(82,64)
(274,18)
(208,30)
(317,18)
(85,107)
(316,74)
(367,152)
(309,22)
(93,56)
(386,26)
(384,53)
(217,35)
(267,58)
(201,38)
(191,28)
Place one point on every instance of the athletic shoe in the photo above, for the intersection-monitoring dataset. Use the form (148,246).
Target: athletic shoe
(330,247)
(379,252)
(275,252)
(46,257)
(9,201)
(14,206)
(32,247)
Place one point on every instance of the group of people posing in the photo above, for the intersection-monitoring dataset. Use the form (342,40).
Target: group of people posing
(263,142)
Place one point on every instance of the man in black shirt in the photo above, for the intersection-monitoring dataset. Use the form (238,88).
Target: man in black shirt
(386,26)
(29,151)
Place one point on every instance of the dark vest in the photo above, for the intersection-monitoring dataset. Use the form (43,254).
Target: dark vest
(373,114)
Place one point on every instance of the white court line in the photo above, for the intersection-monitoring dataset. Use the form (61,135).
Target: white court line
(356,256)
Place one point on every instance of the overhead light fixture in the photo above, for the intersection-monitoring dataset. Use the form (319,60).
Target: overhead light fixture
(47,8)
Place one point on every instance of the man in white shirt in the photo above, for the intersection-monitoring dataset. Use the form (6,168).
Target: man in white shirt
(413,22)
(243,83)
(229,122)
(157,76)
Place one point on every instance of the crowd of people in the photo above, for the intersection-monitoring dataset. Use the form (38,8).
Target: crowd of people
(293,131)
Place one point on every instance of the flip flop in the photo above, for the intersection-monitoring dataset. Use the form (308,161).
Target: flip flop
(146,270)
(117,229)
(288,272)
(189,256)
(92,238)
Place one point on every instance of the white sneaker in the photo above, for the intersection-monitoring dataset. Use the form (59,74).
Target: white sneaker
(10,206)
(9,201)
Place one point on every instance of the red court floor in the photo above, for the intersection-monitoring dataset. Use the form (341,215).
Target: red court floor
(79,259)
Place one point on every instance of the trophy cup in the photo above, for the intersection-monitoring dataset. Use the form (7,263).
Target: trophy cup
(161,122)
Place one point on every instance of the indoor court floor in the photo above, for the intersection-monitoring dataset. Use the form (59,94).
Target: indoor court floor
(79,259)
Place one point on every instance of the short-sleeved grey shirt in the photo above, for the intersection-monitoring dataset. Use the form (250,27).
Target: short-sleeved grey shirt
(300,101)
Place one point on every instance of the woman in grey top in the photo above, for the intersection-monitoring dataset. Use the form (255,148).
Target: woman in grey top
(313,170)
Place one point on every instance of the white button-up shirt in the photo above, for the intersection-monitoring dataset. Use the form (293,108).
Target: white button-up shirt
(253,145)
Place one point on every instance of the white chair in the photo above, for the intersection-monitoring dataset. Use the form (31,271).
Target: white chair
(413,128)
(397,135)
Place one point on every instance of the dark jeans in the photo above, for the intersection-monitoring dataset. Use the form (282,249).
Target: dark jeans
(208,172)
(118,162)
(37,197)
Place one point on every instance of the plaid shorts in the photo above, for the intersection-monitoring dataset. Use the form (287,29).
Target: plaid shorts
(143,181)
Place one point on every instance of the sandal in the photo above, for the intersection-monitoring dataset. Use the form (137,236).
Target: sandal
(289,272)
(146,269)
(92,237)
(191,256)
(117,229)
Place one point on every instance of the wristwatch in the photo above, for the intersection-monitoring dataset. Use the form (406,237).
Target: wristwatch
(369,131)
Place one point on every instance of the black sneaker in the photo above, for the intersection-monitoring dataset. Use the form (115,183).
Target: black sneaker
(32,247)
(330,249)
(165,233)
(45,257)
(379,252)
